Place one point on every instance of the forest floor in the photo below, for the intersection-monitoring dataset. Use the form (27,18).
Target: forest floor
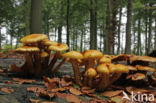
(14,89)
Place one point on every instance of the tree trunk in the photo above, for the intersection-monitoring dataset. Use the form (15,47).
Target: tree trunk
(114,24)
(155,35)
(0,39)
(146,33)
(119,26)
(128,27)
(60,33)
(93,25)
(108,31)
(81,43)
(68,23)
(139,38)
(150,30)
(36,16)
(27,16)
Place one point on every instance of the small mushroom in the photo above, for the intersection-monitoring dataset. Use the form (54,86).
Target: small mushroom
(73,56)
(90,74)
(103,70)
(105,59)
(90,56)
(136,76)
(58,48)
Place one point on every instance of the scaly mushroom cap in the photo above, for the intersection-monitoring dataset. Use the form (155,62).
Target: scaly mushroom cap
(121,68)
(142,58)
(73,55)
(59,47)
(91,72)
(111,67)
(27,49)
(91,54)
(145,68)
(44,54)
(136,76)
(103,69)
(32,38)
(49,43)
(105,59)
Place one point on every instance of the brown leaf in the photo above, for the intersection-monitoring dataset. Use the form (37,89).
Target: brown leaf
(46,94)
(47,102)
(136,90)
(112,93)
(7,90)
(50,85)
(75,91)
(64,83)
(73,99)
(58,90)
(34,100)
(62,95)
(45,79)
(34,89)
(54,80)
(87,90)
(21,81)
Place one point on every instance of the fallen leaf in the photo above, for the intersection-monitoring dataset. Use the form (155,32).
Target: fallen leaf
(66,81)
(34,100)
(47,102)
(9,82)
(61,95)
(73,99)
(137,90)
(7,90)
(35,89)
(50,85)
(87,90)
(75,91)
(58,90)
(45,79)
(112,93)
(21,81)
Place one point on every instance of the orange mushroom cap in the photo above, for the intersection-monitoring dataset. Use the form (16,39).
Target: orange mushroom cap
(103,69)
(32,38)
(91,54)
(59,47)
(145,68)
(73,55)
(91,72)
(27,49)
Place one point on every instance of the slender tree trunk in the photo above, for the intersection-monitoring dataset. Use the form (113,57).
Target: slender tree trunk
(155,35)
(93,25)
(60,33)
(146,33)
(128,27)
(27,16)
(150,30)
(36,16)
(139,38)
(119,27)
(0,39)
(108,26)
(81,43)
(68,23)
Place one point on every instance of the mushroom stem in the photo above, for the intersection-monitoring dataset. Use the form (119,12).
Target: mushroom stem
(46,60)
(37,63)
(114,77)
(104,82)
(53,61)
(90,82)
(77,73)
(90,64)
(29,63)
(59,65)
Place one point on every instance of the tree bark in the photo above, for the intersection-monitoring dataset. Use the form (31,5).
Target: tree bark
(149,30)
(36,16)
(119,27)
(27,16)
(128,27)
(60,33)
(81,43)
(68,23)
(146,32)
(93,25)
(139,37)
(108,26)
(155,35)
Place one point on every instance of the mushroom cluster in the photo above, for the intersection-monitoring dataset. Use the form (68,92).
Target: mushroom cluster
(37,50)
(142,68)
(91,68)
